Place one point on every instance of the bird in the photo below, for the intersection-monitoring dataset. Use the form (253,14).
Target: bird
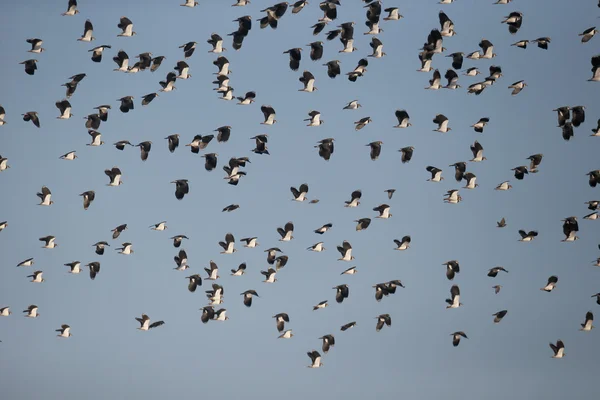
(587,324)
(32,311)
(213,271)
(454,302)
(594,177)
(3,225)
(300,193)
(315,118)
(126,104)
(117,231)
(5,312)
(126,249)
(173,142)
(403,244)
(452,268)
(452,78)
(33,117)
(517,87)
(286,335)
(499,315)
(36,45)
(375,149)
(578,115)
(96,138)
(558,349)
(69,156)
(346,251)
(194,281)
(100,247)
(492,273)
(216,41)
(251,242)
(181,188)
(321,305)
(477,150)
(442,121)
(177,240)
(168,85)
(161,226)
(456,337)
(248,297)
(228,244)
(436,174)
(514,21)
(231,207)
(247,99)
(527,236)
(145,323)
(241,270)
(570,229)
(390,193)
(71,8)
(552,281)
(88,198)
(181,260)
(342,292)
(126,27)
(542,42)
(65,331)
(269,114)
(323,228)
(94,269)
(45,196)
(115,176)
(520,172)
(347,326)
(286,232)
(383,210)
(75,267)
(328,342)
(98,51)
(88,32)
(361,123)
(37,277)
(315,358)
(595,69)
(295,55)
(536,160)
(383,319)
(479,125)
(269,275)
(184,70)
(353,105)
(588,34)
(144,149)
(350,271)
(452,197)
(407,153)
(501,223)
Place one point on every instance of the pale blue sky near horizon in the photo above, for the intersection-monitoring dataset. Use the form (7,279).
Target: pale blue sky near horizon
(107,357)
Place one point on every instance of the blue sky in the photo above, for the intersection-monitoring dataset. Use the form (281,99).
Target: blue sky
(108,358)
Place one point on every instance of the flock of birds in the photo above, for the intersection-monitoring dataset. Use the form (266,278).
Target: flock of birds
(569,118)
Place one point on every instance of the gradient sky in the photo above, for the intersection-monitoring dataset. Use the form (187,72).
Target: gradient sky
(108,358)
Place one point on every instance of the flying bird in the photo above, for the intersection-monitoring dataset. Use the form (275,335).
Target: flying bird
(145,323)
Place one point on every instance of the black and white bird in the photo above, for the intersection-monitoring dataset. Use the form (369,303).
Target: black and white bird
(3,225)
(442,122)
(98,51)
(588,323)
(126,249)
(64,331)
(241,270)
(26,263)
(5,312)
(184,70)
(570,229)
(315,118)
(456,337)
(181,260)
(45,197)
(390,193)
(88,32)
(126,104)
(527,236)
(588,34)
(216,41)
(535,161)
(321,305)
(88,198)
(228,244)
(517,87)
(452,268)
(346,251)
(315,358)
(317,247)
(145,323)
(68,156)
(479,125)
(459,170)
(145,148)
(316,50)
(250,242)
(295,55)
(492,273)
(514,21)
(248,294)
(383,319)
(32,311)
(361,123)
(552,281)
(454,302)
(353,105)
(594,177)
(328,342)
(323,228)
(286,232)
(436,174)
(115,176)
(280,320)
(126,27)
(168,85)
(177,240)
(595,69)
(403,244)
(181,188)
(383,210)
(558,349)
(36,45)
(542,42)
(100,247)
(350,271)
(213,271)
(435,81)
(452,78)
(520,172)
(2,116)
(269,114)
(71,8)
(300,193)
(269,275)
(477,150)
(403,119)
(96,138)
(247,99)
(37,277)
(578,115)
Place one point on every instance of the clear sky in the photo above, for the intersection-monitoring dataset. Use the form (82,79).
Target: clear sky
(107,357)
